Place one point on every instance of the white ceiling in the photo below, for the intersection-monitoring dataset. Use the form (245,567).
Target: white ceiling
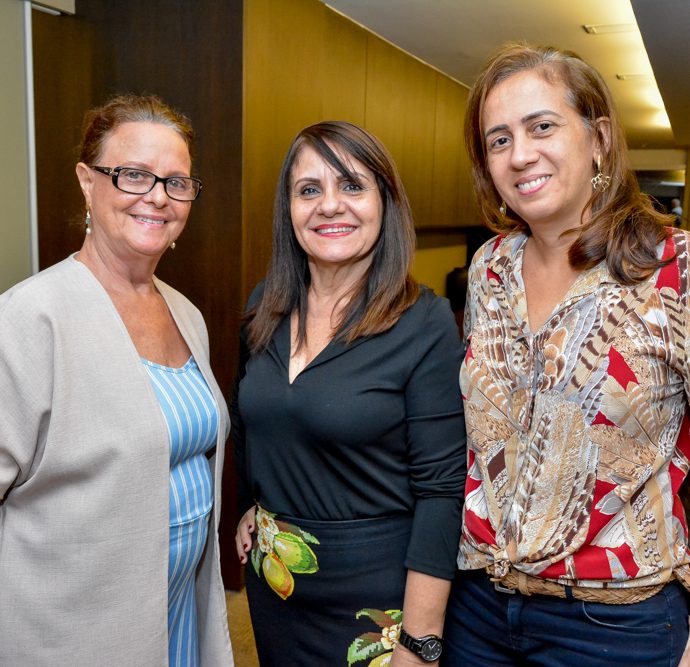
(457,36)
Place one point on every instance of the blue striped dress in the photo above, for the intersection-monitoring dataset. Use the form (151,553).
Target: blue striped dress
(192,417)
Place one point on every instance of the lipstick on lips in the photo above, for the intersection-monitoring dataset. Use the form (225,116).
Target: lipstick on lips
(334,230)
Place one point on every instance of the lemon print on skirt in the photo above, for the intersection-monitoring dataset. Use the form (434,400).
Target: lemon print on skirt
(281,550)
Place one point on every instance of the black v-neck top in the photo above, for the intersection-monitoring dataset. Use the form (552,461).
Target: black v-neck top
(369,429)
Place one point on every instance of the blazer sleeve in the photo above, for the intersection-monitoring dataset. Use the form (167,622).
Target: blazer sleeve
(436,443)
(26,388)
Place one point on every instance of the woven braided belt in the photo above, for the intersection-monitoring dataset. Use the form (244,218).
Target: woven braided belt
(515,580)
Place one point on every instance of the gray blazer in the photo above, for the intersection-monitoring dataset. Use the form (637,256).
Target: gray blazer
(84,479)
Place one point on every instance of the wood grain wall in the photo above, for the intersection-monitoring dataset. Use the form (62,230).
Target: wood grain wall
(305,63)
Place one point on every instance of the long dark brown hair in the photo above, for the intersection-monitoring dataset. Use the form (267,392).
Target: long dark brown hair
(386,291)
(624,228)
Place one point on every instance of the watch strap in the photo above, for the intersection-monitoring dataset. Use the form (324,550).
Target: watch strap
(416,645)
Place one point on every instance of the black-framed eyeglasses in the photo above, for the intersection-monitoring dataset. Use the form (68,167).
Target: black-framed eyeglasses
(135,181)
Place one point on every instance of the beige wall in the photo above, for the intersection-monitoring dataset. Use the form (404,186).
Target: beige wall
(431,265)
(15,252)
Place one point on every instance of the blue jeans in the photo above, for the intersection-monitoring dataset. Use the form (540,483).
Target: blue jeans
(487,628)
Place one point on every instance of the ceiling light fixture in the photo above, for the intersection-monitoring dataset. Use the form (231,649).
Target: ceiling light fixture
(608,28)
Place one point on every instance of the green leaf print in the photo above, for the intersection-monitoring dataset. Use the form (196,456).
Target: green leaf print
(295,553)
(364,647)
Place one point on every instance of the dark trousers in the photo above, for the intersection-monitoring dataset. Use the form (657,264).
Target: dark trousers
(488,628)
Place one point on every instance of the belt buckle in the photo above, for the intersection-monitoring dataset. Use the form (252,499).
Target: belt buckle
(503,589)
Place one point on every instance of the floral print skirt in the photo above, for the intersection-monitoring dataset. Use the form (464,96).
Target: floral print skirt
(327,592)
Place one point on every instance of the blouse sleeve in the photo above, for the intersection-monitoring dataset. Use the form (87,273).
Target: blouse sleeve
(436,443)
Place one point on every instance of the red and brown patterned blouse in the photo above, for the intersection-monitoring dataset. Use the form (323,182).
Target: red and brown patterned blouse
(579,433)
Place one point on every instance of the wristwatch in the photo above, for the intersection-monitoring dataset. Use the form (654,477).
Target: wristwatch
(428,648)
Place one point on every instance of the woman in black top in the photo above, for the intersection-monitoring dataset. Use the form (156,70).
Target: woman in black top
(347,422)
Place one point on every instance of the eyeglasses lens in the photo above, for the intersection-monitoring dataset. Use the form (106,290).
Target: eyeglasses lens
(137,181)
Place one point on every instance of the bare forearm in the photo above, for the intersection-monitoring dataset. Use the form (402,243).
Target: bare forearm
(424,612)
(425,603)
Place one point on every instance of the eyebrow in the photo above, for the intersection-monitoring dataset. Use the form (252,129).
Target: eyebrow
(341,177)
(523,120)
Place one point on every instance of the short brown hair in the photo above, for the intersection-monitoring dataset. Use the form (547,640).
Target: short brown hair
(387,290)
(624,227)
(101,121)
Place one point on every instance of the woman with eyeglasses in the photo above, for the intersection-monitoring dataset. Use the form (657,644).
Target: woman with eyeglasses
(112,426)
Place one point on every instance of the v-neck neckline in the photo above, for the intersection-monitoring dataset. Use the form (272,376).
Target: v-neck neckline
(283,346)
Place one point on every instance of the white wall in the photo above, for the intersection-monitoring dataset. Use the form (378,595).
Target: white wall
(15,237)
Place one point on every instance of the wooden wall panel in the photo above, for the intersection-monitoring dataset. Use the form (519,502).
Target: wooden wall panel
(467,203)
(69,72)
(281,95)
(343,60)
(303,64)
(448,153)
(400,110)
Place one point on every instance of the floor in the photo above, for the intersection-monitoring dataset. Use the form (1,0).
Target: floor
(241,629)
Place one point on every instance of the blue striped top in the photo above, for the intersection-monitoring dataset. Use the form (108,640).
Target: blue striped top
(191,414)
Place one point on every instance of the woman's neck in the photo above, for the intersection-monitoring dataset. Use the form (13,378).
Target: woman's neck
(330,282)
(549,248)
(115,274)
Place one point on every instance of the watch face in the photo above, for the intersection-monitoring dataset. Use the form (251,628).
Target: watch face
(431,650)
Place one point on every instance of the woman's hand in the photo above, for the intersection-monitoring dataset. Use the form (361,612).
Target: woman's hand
(243,536)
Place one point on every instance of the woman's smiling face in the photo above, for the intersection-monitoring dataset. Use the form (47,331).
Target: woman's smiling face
(125,224)
(336,219)
(540,152)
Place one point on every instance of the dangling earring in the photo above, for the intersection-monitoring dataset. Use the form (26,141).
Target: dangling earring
(173,245)
(503,209)
(601,181)
(87,221)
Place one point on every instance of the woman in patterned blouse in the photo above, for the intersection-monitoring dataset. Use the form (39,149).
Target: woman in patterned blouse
(574,543)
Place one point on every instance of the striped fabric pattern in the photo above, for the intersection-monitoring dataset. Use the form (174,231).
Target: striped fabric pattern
(192,418)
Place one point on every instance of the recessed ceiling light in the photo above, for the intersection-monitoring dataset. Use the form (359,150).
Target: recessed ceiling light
(607,28)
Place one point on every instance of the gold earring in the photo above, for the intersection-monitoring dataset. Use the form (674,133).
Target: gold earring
(173,245)
(87,221)
(503,209)
(601,181)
